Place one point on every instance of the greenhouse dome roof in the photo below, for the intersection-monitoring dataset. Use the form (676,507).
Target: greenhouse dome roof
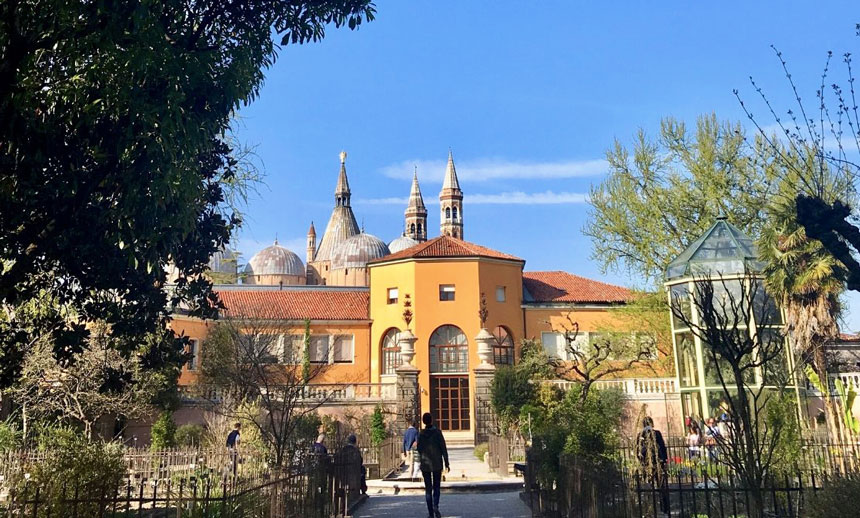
(722,250)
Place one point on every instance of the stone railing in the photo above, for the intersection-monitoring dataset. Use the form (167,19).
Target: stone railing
(314,393)
(850,379)
(633,388)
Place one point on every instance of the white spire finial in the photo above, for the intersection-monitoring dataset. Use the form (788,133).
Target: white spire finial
(343,157)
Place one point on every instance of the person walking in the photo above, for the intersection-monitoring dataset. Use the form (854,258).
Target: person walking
(410,444)
(694,443)
(233,446)
(653,457)
(432,451)
(318,446)
(354,465)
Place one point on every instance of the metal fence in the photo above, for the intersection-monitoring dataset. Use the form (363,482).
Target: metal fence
(318,486)
(691,484)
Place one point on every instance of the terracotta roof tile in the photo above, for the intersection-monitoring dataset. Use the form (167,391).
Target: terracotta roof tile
(446,246)
(557,286)
(297,304)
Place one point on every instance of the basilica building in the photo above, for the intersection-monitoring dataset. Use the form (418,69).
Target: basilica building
(470,309)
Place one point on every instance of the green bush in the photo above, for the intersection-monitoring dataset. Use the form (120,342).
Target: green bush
(839,497)
(189,435)
(163,434)
(11,437)
(510,390)
(72,466)
(378,433)
(480,450)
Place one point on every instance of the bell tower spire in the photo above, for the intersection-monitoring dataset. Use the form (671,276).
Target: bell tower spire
(341,192)
(416,212)
(451,202)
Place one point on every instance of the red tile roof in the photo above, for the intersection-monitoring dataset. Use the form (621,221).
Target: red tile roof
(565,287)
(446,246)
(296,304)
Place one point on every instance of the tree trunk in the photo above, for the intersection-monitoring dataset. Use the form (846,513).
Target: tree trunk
(751,469)
(831,415)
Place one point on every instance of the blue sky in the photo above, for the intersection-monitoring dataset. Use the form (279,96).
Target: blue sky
(528,95)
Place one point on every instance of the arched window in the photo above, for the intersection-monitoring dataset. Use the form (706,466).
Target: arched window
(419,229)
(447,212)
(449,350)
(503,349)
(390,351)
(455,213)
(412,229)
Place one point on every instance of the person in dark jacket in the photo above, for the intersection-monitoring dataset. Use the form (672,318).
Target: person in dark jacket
(410,443)
(653,456)
(432,451)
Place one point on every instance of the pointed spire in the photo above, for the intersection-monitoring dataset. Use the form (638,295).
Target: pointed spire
(342,188)
(312,231)
(451,181)
(416,200)
(276,239)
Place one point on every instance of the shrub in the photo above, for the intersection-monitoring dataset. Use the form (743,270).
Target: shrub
(378,432)
(510,389)
(163,434)
(480,450)
(190,435)
(72,466)
(10,436)
(839,497)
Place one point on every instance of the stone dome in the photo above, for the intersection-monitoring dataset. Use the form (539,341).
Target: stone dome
(401,243)
(224,261)
(356,251)
(275,260)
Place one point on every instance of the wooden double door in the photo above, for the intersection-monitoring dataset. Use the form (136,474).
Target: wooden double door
(449,402)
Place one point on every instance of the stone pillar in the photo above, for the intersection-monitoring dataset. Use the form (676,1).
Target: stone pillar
(408,394)
(484,373)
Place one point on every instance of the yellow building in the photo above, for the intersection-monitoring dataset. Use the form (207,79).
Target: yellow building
(356,293)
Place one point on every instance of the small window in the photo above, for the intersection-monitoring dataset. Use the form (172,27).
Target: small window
(447,212)
(193,349)
(392,295)
(343,350)
(446,292)
(500,294)
(412,228)
(419,229)
(455,213)
(319,349)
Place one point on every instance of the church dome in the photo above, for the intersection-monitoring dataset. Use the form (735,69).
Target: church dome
(356,251)
(401,243)
(275,260)
(224,261)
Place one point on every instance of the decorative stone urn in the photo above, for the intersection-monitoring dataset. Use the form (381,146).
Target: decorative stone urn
(485,347)
(407,340)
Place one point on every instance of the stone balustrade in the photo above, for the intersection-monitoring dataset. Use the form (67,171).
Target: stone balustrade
(633,388)
(317,393)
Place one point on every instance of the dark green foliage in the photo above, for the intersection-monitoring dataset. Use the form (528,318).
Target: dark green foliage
(72,465)
(562,423)
(378,433)
(11,437)
(163,434)
(840,497)
(510,390)
(115,154)
(189,435)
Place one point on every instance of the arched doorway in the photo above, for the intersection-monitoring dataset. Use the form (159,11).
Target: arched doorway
(449,378)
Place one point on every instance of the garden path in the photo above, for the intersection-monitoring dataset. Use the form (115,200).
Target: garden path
(460,505)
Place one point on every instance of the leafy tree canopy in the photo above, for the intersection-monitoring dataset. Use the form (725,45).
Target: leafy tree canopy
(114,153)
(663,193)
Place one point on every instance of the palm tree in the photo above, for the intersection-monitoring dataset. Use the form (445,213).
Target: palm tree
(802,275)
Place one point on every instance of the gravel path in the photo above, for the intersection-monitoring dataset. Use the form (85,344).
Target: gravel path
(463,505)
